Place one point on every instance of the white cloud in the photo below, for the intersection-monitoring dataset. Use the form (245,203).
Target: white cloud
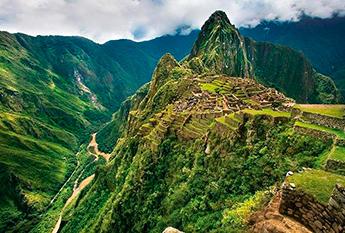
(102,20)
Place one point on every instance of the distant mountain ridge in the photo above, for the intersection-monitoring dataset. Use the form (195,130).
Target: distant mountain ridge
(321,40)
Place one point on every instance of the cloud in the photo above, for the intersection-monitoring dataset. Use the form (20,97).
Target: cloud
(103,20)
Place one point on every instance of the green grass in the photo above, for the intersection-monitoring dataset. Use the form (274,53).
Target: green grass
(222,121)
(337,132)
(317,183)
(267,111)
(338,154)
(210,87)
(331,110)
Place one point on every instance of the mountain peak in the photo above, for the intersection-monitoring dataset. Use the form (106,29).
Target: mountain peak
(221,48)
(217,18)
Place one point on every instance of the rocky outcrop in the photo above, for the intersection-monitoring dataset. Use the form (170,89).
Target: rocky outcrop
(319,217)
(220,48)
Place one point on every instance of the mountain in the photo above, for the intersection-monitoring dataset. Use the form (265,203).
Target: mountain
(276,66)
(225,50)
(55,91)
(321,40)
(205,147)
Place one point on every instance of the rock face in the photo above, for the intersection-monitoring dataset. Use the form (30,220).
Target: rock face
(171,230)
(316,216)
(222,49)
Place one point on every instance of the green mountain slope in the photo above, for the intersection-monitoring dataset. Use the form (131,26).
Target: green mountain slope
(198,149)
(55,91)
(321,40)
(221,47)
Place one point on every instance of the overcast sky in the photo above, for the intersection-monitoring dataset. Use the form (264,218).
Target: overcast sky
(102,20)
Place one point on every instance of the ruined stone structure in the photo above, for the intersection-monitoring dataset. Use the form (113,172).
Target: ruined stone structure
(328,121)
(332,164)
(322,135)
(320,218)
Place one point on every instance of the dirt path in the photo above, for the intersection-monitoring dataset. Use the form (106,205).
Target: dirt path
(93,148)
(270,220)
(76,191)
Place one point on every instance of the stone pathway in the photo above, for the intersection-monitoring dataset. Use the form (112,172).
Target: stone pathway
(271,221)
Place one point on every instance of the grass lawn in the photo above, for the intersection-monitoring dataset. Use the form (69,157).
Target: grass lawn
(333,110)
(338,154)
(268,111)
(317,183)
(337,132)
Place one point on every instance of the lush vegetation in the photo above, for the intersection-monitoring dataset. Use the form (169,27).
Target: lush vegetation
(55,91)
(319,39)
(317,183)
(206,194)
(158,178)
(338,153)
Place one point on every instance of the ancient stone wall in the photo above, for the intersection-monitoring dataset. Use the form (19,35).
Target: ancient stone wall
(318,217)
(295,112)
(340,142)
(335,165)
(324,136)
(331,122)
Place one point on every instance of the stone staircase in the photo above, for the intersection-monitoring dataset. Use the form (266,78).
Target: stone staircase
(271,221)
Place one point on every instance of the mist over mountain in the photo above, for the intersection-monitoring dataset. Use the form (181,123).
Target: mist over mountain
(321,40)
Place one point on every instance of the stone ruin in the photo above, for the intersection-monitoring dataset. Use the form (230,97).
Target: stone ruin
(321,218)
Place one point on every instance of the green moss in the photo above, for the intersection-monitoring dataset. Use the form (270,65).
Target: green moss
(237,216)
(210,87)
(317,183)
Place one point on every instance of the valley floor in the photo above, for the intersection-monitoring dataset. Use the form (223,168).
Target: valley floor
(89,157)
